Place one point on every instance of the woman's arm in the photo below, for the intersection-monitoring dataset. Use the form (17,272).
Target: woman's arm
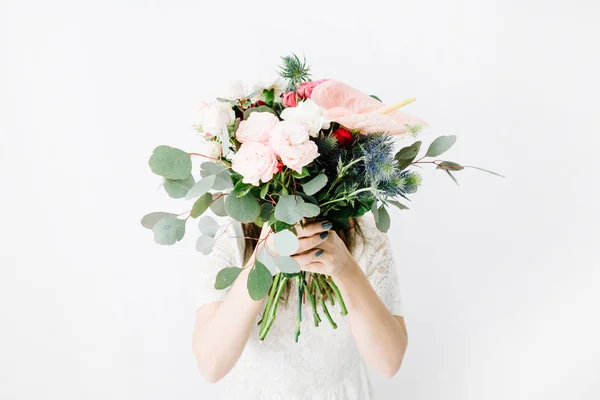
(380,336)
(222,329)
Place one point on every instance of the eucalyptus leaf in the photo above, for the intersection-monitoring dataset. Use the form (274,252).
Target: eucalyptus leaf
(286,243)
(397,204)
(451,176)
(287,264)
(286,211)
(218,205)
(259,281)
(178,188)
(168,230)
(258,109)
(201,205)
(265,257)
(205,244)
(149,220)
(485,170)
(302,174)
(406,155)
(375,210)
(242,209)
(375,97)
(440,145)
(307,210)
(315,184)
(452,166)
(170,162)
(223,176)
(225,141)
(201,187)
(208,226)
(226,277)
(264,190)
(383,221)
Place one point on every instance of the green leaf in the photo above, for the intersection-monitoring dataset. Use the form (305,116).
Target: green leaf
(258,109)
(264,190)
(269,96)
(208,226)
(201,205)
(178,188)
(451,176)
(302,174)
(307,210)
(397,204)
(375,97)
(266,258)
(286,243)
(375,211)
(218,205)
(259,281)
(201,187)
(406,155)
(440,145)
(266,210)
(315,184)
(383,222)
(286,211)
(226,277)
(287,264)
(168,230)
(149,220)
(452,166)
(485,170)
(205,244)
(242,209)
(170,163)
(223,176)
(242,189)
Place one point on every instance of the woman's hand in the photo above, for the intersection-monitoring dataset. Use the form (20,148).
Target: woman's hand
(322,250)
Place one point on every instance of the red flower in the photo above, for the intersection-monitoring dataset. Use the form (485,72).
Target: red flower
(305,90)
(279,166)
(289,99)
(344,137)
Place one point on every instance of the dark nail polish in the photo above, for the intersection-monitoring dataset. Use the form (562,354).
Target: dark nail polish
(324,235)
(319,252)
(327,225)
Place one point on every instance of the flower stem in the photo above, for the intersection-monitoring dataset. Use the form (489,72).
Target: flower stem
(339,296)
(324,306)
(273,309)
(299,317)
(313,303)
(263,321)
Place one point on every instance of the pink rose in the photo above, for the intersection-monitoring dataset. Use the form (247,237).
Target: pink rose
(289,99)
(254,161)
(292,144)
(305,90)
(256,128)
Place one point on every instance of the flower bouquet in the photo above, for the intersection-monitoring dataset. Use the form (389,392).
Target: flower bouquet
(292,150)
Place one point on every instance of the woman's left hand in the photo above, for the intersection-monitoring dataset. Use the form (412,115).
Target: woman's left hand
(329,257)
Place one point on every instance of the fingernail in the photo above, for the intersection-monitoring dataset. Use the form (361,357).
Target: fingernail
(324,235)
(319,252)
(327,225)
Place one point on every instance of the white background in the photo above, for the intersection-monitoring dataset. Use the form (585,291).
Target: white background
(500,277)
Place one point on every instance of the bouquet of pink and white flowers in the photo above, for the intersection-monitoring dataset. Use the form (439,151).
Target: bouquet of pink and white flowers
(293,149)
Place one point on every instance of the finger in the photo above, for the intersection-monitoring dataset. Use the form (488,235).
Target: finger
(308,243)
(313,228)
(315,255)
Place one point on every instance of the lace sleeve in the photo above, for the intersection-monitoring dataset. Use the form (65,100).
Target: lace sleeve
(380,267)
(226,253)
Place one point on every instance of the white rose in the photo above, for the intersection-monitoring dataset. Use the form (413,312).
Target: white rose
(257,128)
(212,117)
(255,161)
(275,82)
(293,145)
(307,114)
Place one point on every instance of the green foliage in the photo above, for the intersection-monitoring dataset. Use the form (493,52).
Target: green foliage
(293,69)
(286,243)
(406,155)
(221,170)
(201,205)
(208,226)
(178,188)
(315,184)
(375,97)
(149,220)
(449,165)
(287,264)
(170,162)
(168,230)
(205,244)
(485,170)
(242,209)
(218,206)
(258,109)
(259,281)
(383,219)
(269,96)
(397,204)
(226,277)
(201,187)
(440,145)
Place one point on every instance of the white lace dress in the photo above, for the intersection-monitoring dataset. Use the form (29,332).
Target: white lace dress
(325,363)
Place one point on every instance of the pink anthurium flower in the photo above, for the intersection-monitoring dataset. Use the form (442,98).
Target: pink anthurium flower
(356,110)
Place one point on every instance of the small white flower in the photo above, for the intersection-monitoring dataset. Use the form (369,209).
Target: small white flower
(307,114)
(211,117)
(210,148)
(274,82)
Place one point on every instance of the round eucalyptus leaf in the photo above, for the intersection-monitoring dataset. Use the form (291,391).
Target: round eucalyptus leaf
(307,210)
(208,226)
(168,230)
(287,264)
(286,243)
(149,220)
(383,220)
(226,277)
(201,205)
(170,162)
(178,188)
(440,145)
(259,281)
(315,184)
(375,211)
(243,209)
(223,176)
(285,210)
(201,187)
(265,257)
(218,206)
(205,244)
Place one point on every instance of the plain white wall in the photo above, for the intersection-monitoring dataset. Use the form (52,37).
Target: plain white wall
(499,278)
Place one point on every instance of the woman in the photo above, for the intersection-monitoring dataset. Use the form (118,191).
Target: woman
(326,363)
